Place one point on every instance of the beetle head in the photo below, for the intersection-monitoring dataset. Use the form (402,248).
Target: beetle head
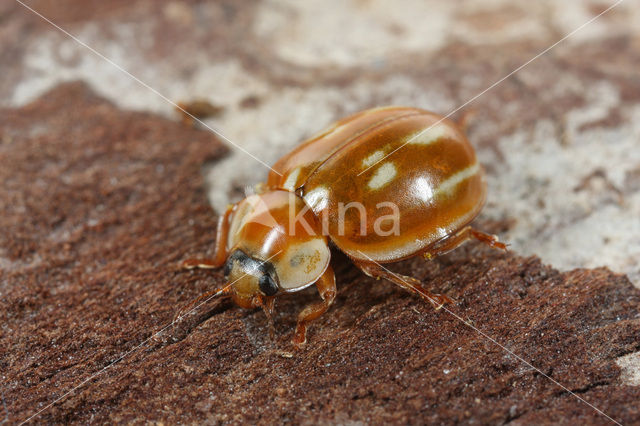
(254,281)
(277,246)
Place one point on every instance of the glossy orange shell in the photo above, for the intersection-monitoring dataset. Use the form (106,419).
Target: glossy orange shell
(433,178)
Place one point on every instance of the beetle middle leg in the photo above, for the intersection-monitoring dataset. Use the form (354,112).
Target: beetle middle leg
(410,284)
(326,286)
(465,234)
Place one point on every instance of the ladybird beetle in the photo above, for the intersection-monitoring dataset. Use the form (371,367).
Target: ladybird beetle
(382,185)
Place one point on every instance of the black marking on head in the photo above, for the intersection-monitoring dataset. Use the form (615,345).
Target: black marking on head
(268,282)
(265,271)
(237,255)
(227,268)
(267,268)
(268,285)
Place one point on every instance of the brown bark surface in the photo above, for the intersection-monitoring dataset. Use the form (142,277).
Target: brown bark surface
(100,204)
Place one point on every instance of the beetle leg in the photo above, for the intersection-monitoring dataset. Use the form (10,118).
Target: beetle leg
(410,284)
(199,263)
(267,306)
(221,253)
(326,286)
(459,238)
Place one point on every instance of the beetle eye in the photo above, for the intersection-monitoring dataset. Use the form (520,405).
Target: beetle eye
(227,267)
(268,286)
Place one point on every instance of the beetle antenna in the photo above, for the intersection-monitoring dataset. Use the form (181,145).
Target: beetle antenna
(208,296)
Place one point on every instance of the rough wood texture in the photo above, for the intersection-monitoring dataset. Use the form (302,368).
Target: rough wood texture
(99,206)
(99,203)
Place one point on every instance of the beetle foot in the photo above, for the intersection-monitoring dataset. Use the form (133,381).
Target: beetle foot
(439,300)
(488,239)
(198,263)
(300,336)
(495,243)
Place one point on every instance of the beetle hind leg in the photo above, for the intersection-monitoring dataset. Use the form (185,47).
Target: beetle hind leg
(456,240)
(410,284)
(326,286)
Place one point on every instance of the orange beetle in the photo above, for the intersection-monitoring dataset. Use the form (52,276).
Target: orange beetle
(383,185)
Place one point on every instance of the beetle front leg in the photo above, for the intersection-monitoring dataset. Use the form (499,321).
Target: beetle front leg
(220,254)
(456,240)
(326,286)
(408,283)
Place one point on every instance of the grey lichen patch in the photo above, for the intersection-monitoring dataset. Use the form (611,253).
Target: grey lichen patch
(630,365)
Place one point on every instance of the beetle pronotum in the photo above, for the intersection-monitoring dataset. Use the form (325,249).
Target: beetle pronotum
(277,241)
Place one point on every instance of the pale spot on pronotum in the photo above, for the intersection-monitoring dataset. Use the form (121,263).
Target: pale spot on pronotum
(382,176)
(317,198)
(290,183)
(302,264)
(431,135)
(372,159)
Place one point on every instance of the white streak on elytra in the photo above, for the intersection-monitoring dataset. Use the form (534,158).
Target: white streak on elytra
(372,159)
(290,183)
(317,198)
(382,176)
(431,135)
(446,187)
